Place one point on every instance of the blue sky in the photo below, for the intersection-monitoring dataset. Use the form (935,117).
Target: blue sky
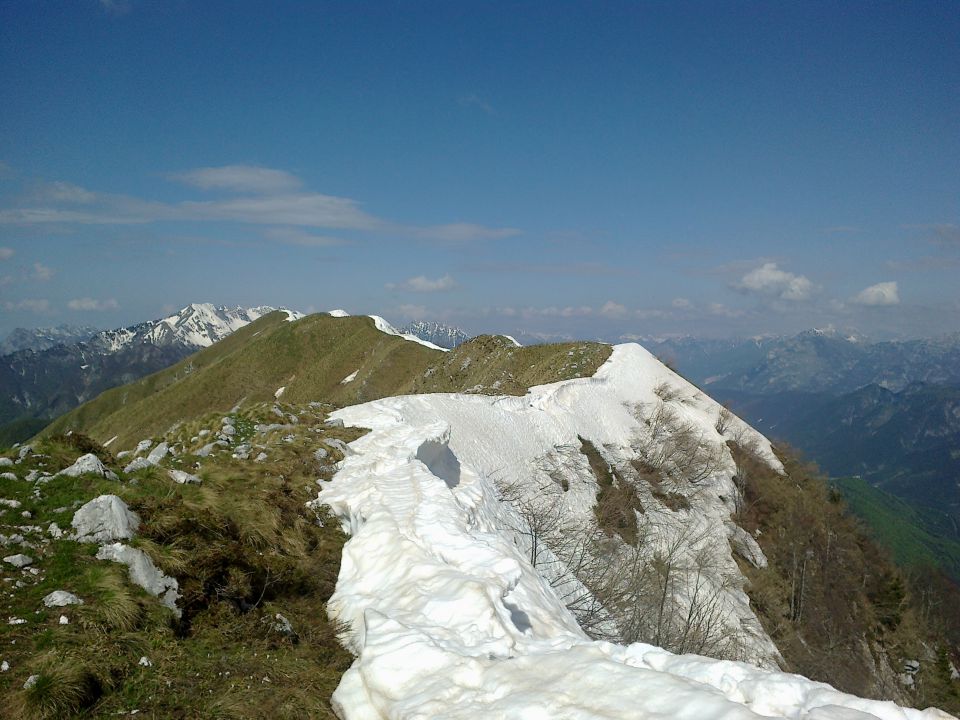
(564,169)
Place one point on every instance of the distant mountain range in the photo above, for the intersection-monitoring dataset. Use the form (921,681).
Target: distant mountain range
(439,334)
(44,338)
(41,382)
(888,411)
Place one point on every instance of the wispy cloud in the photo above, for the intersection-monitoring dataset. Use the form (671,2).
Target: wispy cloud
(87,304)
(42,272)
(581,268)
(770,281)
(475,101)
(881,294)
(423,284)
(115,7)
(240,178)
(263,196)
(611,309)
(32,305)
(296,236)
(411,312)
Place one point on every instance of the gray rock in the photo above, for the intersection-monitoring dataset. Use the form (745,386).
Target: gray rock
(143,446)
(32,475)
(124,454)
(278,623)
(31,681)
(340,445)
(260,458)
(61,598)
(104,519)
(6,462)
(88,464)
(228,430)
(8,476)
(203,433)
(334,423)
(320,454)
(158,454)
(54,531)
(10,503)
(144,573)
(138,463)
(183,478)
(19,560)
(206,450)
(24,451)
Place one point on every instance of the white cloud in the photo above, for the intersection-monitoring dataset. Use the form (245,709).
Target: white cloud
(412,312)
(476,101)
(241,178)
(267,197)
(771,281)
(6,253)
(682,304)
(884,293)
(721,310)
(296,236)
(28,305)
(66,192)
(423,284)
(90,304)
(42,272)
(611,309)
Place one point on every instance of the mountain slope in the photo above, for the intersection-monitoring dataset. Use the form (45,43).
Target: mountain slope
(342,360)
(41,384)
(38,339)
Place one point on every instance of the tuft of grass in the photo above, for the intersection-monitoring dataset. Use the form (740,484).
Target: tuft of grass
(113,605)
(617,500)
(64,686)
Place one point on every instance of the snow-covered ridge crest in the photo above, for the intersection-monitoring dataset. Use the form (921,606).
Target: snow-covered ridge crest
(385,327)
(447,614)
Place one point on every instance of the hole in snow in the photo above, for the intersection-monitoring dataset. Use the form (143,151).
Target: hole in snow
(441,461)
(519,618)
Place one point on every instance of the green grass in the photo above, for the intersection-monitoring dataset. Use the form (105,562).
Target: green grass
(311,358)
(907,531)
(243,547)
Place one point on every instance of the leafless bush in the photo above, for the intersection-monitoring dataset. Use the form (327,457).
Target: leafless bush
(675,447)
(724,417)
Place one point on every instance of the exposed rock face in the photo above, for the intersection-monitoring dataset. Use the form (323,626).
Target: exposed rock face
(144,573)
(158,453)
(88,464)
(104,519)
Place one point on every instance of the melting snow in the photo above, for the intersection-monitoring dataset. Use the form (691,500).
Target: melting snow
(447,616)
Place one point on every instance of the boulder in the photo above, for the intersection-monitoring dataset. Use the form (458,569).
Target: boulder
(206,450)
(61,598)
(19,560)
(8,476)
(183,478)
(104,519)
(143,446)
(144,573)
(88,464)
(138,464)
(158,454)
(6,462)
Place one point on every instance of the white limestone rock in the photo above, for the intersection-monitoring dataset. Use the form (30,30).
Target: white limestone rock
(144,573)
(143,446)
(88,464)
(6,462)
(104,519)
(158,453)
(19,560)
(61,598)
(183,478)
(138,463)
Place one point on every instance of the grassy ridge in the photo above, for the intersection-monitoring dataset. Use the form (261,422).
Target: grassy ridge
(908,532)
(311,358)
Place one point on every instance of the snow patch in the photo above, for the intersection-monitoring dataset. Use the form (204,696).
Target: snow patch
(350,378)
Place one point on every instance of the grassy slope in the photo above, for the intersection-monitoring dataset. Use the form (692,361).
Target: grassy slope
(311,358)
(242,546)
(900,527)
